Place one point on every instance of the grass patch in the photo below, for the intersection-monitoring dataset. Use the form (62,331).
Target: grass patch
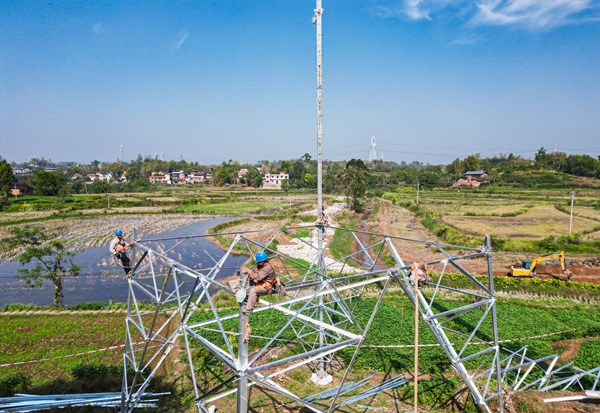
(343,242)
(229,208)
(25,337)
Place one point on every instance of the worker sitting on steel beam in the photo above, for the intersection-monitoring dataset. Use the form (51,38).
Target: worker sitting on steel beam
(118,246)
(418,270)
(262,279)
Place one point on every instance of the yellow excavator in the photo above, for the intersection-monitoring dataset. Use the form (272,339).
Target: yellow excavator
(527,268)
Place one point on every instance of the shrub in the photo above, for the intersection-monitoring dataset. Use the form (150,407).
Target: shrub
(92,305)
(14,383)
(97,378)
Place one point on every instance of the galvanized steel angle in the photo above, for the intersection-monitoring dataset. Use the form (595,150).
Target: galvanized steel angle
(215,312)
(302,358)
(466,273)
(216,350)
(270,385)
(293,316)
(475,330)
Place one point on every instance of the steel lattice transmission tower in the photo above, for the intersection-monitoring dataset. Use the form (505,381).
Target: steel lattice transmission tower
(314,327)
(373,153)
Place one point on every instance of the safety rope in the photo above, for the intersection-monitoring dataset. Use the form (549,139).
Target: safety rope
(509,340)
(18,363)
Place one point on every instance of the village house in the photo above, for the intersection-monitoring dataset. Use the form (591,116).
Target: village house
(160,177)
(199,176)
(179,177)
(471,178)
(21,171)
(99,176)
(273,181)
(123,177)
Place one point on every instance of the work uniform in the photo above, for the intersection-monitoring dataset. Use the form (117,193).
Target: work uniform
(419,272)
(115,245)
(262,281)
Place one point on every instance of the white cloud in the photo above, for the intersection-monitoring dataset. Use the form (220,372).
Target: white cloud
(414,11)
(181,40)
(417,9)
(534,14)
(531,14)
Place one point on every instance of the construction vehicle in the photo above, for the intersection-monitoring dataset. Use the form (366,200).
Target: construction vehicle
(527,268)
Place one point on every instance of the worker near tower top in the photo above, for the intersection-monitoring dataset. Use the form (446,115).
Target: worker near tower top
(118,246)
(262,280)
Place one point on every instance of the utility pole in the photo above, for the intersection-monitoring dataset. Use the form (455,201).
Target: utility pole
(571,215)
(122,159)
(418,183)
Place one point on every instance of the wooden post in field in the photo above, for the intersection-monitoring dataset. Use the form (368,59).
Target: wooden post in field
(416,373)
(571,216)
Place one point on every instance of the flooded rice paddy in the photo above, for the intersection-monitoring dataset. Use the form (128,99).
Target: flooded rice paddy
(101,279)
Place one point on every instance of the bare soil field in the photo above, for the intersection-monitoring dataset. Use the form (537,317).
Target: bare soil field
(537,223)
(398,221)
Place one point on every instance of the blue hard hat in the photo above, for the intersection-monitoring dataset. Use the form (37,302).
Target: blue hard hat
(261,256)
(119,232)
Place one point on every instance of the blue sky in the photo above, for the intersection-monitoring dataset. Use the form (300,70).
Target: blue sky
(210,81)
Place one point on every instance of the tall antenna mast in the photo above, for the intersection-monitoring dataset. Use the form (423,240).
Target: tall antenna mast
(318,18)
(321,376)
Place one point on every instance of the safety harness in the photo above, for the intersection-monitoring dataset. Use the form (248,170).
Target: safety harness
(268,284)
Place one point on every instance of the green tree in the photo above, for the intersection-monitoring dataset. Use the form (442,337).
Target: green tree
(472,163)
(540,156)
(285,185)
(308,180)
(253,178)
(456,167)
(50,259)
(582,165)
(48,183)
(225,174)
(6,179)
(353,181)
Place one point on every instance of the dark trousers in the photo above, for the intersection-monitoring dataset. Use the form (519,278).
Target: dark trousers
(121,256)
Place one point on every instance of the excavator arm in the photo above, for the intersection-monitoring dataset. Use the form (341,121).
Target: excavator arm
(554,256)
(528,269)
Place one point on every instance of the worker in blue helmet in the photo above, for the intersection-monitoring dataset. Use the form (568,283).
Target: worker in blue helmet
(262,279)
(118,246)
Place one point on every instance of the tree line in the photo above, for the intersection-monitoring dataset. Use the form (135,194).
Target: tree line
(547,169)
